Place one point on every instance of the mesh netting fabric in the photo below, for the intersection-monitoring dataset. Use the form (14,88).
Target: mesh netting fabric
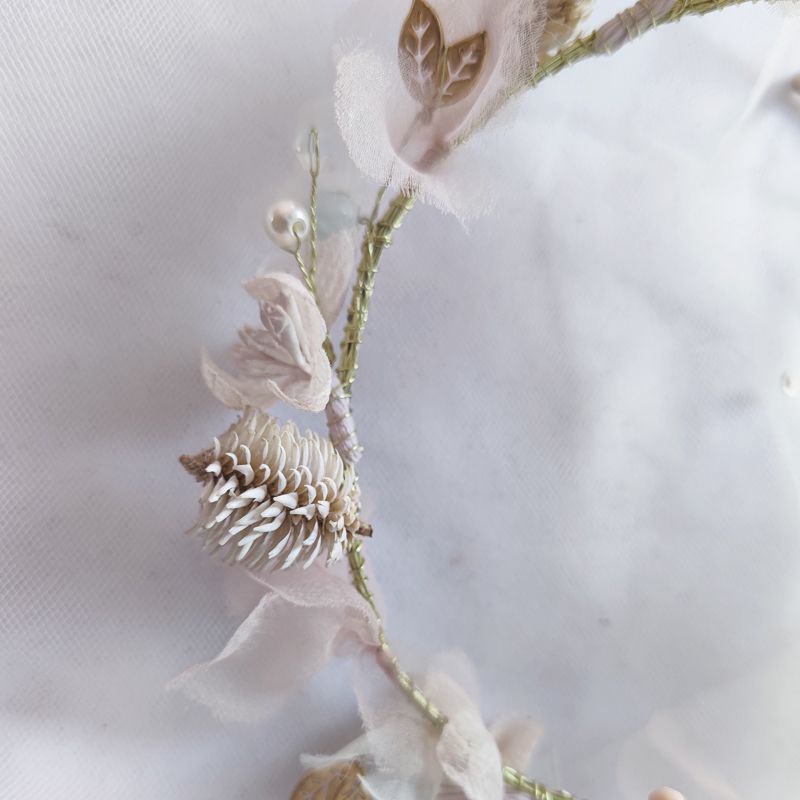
(581,459)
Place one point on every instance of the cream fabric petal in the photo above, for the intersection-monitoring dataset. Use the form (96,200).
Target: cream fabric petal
(404,757)
(336,258)
(303,620)
(470,758)
(290,314)
(238,393)
(283,360)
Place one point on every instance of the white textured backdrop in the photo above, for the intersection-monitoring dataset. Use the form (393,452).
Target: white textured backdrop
(581,465)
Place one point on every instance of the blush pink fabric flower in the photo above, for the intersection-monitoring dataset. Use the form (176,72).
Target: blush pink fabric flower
(281,360)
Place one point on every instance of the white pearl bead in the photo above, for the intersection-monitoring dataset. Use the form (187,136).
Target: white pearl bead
(665,794)
(283,220)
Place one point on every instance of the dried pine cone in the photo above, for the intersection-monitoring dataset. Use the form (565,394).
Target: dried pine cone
(275,496)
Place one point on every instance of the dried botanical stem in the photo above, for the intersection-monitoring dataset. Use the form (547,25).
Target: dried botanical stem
(376,239)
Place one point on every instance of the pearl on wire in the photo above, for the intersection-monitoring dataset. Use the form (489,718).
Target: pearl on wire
(283,220)
(665,793)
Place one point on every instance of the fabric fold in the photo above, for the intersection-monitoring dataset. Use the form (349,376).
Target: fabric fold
(303,620)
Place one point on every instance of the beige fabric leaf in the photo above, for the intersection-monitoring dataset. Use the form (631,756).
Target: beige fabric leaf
(462,68)
(336,259)
(420,51)
(283,359)
(338,782)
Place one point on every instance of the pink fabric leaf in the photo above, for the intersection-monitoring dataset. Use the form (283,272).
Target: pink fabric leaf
(304,620)
(231,391)
(284,359)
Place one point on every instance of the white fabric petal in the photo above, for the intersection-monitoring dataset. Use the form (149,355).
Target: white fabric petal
(336,258)
(238,393)
(470,758)
(303,620)
(283,360)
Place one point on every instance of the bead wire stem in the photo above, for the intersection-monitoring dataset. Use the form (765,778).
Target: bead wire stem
(309,273)
(377,237)
(313,170)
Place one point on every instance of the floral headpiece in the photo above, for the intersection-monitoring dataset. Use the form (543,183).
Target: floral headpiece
(285,504)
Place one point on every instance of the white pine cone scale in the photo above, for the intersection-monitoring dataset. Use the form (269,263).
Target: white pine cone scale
(274,496)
